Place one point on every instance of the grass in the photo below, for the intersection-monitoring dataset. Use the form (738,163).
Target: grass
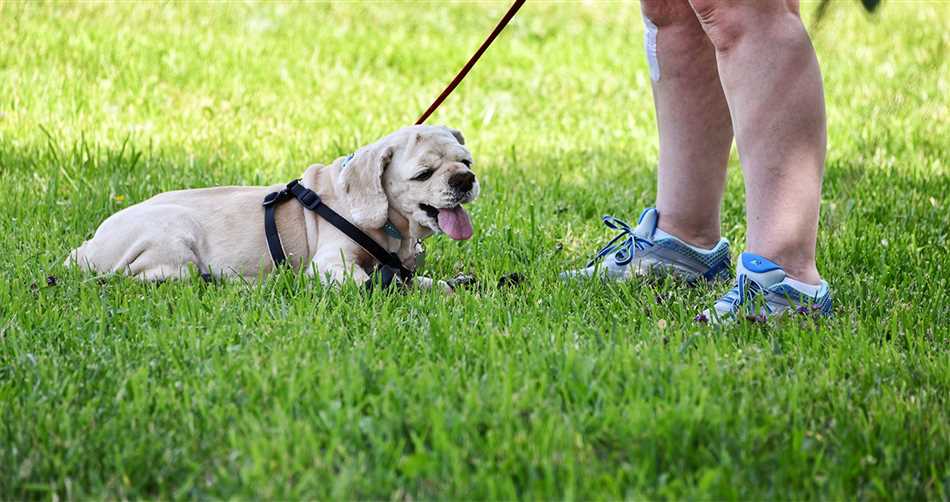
(115,389)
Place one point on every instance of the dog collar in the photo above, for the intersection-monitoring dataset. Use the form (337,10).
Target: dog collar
(346,161)
(392,231)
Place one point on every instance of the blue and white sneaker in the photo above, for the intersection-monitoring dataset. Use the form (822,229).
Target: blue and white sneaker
(647,250)
(764,290)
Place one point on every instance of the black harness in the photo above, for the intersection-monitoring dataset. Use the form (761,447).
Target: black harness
(391,265)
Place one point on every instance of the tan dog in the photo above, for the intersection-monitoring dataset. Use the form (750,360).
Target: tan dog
(417,178)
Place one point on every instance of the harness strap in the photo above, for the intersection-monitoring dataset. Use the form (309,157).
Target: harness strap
(274,245)
(310,200)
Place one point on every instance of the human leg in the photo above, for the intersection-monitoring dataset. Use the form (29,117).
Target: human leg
(682,235)
(772,84)
(695,130)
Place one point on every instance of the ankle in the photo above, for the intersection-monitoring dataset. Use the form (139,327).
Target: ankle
(807,275)
(700,238)
(796,267)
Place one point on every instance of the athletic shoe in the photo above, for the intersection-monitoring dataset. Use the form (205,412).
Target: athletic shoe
(646,250)
(763,290)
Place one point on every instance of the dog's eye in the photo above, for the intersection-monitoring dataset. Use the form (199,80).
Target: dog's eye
(466,162)
(424,175)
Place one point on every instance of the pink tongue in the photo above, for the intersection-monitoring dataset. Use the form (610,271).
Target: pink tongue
(456,223)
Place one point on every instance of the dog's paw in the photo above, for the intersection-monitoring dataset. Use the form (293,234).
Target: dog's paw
(447,288)
(427,283)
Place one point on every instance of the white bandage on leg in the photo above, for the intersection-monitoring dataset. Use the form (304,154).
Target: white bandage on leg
(649,42)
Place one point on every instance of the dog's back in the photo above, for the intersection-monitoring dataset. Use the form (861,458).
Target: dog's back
(217,230)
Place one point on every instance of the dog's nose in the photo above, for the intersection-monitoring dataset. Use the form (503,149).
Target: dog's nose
(462,182)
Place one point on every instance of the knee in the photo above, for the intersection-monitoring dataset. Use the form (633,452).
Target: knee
(666,12)
(728,22)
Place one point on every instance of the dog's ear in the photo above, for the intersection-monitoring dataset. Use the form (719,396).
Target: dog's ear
(457,134)
(362,183)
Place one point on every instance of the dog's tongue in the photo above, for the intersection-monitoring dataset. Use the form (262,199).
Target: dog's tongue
(456,223)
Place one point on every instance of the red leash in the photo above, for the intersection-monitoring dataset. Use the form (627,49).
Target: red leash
(471,62)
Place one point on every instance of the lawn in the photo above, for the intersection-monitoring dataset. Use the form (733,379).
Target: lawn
(114,389)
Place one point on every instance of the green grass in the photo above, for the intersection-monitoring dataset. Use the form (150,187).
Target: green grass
(118,389)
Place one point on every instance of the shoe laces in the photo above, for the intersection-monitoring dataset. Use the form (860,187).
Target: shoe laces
(624,246)
(746,291)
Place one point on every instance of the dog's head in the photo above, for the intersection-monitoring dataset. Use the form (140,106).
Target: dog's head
(424,173)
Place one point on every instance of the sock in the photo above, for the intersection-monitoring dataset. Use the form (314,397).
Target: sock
(809,289)
(659,234)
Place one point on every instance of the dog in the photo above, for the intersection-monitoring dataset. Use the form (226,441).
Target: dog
(415,179)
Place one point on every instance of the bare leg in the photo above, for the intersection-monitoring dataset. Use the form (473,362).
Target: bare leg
(773,86)
(694,124)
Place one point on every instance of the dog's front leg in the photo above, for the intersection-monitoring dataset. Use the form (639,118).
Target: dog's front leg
(427,283)
(335,269)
